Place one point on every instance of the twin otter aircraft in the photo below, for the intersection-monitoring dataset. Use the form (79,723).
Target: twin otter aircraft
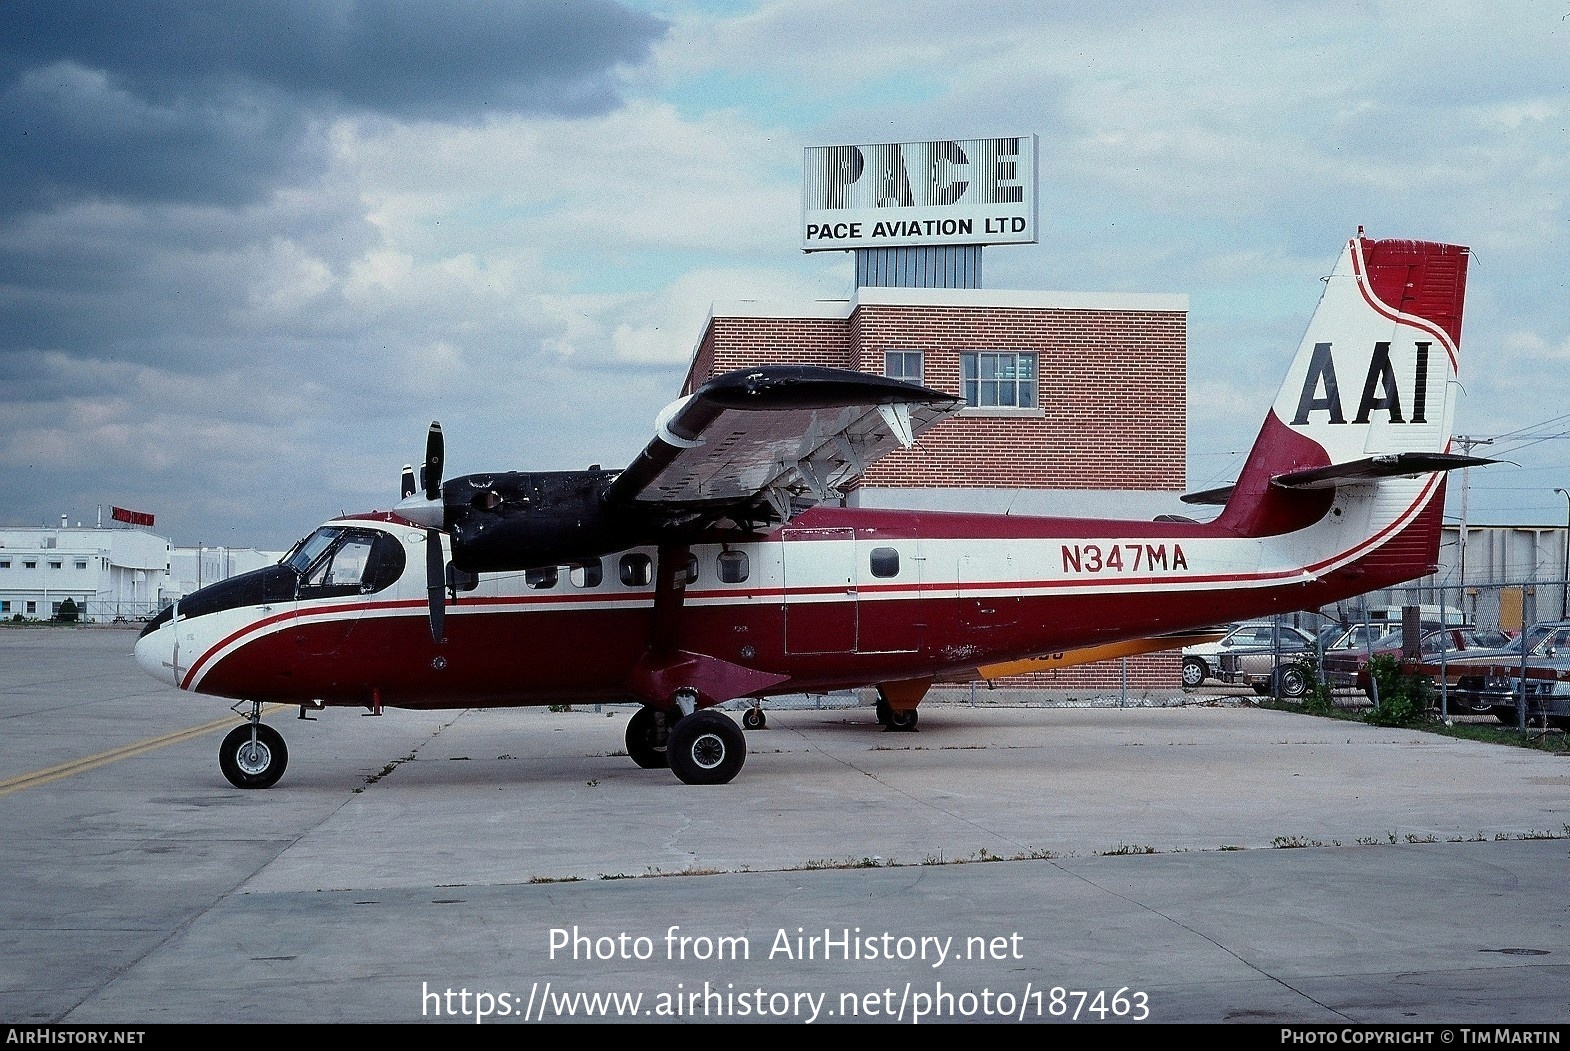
(716,567)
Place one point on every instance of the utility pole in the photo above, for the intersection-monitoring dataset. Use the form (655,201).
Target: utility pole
(1564,598)
(1466,442)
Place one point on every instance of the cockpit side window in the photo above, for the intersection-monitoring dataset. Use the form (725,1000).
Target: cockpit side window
(347,564)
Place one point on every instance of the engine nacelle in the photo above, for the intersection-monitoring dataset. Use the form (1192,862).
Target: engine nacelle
(516,520)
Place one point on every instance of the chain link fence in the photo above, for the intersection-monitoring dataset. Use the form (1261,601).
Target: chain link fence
(79,611)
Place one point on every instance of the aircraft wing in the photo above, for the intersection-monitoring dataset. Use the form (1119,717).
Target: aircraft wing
(755,445)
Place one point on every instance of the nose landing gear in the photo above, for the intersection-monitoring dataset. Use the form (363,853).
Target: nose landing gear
(253,755)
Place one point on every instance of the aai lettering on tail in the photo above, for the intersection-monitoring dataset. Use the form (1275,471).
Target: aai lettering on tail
(1381,390)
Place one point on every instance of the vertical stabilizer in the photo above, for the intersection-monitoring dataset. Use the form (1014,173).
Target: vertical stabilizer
(1373,377)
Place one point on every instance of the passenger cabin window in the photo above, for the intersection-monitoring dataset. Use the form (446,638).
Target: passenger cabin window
(691,574)
(885,562)
(637,570)
(587,575)
(542,579)
(732,566)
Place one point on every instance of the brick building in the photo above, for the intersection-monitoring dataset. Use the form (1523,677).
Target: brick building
(1077,404)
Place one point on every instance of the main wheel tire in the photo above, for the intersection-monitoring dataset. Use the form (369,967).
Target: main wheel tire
(1292,682)
(754,719)
(647,739)
(901,721)
(706,748)
(253,764)
(882,709)
(1195,672)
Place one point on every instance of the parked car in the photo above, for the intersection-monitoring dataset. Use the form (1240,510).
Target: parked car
(1494,690)
(1349,668)
(1270,671)
(1547,693)
(1204,662)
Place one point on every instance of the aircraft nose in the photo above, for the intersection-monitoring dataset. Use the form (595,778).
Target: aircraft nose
(155,653)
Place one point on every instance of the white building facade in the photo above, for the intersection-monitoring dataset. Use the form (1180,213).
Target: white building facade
(108,574)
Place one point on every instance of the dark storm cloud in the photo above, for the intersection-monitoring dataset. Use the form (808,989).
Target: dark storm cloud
(165,101)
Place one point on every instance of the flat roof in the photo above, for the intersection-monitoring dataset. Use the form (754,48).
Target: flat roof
(830,309)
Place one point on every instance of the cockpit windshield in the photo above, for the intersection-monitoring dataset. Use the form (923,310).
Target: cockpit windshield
(307,551)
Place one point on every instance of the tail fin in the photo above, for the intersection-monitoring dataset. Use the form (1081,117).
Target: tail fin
(1370,392)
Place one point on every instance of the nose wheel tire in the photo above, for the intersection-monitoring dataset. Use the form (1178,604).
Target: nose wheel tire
(249,761)
(706,748)
(754,719)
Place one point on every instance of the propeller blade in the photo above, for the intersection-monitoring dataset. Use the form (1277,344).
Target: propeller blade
(435,584)
(434,454)
(425,508)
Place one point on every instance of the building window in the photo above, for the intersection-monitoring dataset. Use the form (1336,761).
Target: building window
(81,563)
(998,380)
(903,365)
(54,565)
(31,563)
(5,607)
(32,607)
(5,563)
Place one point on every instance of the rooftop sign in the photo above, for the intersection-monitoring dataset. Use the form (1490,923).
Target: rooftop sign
(944,192)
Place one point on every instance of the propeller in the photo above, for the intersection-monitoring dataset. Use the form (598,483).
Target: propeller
(435,567)
(427,510)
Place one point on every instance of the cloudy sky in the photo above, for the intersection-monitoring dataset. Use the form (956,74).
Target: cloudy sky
(249,250)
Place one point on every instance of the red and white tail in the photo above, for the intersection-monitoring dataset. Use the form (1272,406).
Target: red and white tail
(1369,399)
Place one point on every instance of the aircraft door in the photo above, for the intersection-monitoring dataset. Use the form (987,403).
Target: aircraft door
(988,592)
(820,590)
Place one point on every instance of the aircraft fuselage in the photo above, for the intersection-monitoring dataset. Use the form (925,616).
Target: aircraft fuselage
(840,597)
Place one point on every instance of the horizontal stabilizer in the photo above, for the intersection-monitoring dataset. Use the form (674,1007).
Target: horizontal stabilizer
(1394,465)
(1218,496)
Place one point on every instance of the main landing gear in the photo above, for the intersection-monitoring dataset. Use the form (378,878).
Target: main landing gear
(704,748)
(894,719)
(253,755)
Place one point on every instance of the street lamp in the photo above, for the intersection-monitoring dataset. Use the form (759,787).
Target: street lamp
(1564,598)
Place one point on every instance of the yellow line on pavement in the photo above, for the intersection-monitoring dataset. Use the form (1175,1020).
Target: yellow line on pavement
(114,755)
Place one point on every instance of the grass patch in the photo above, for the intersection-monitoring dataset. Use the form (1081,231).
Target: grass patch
(1538,740)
